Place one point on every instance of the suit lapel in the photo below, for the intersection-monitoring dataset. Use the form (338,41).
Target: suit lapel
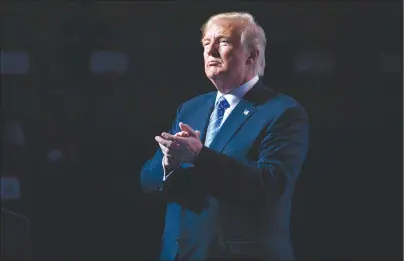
(240,114)
(200,119)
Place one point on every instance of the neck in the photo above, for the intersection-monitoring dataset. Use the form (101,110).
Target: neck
(224,86)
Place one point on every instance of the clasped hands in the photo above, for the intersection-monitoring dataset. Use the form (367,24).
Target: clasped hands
(182,147)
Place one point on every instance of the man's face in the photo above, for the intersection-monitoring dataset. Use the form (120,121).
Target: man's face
(224,55)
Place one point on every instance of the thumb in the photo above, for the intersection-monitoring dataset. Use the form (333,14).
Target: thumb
(187,128)
(198,134)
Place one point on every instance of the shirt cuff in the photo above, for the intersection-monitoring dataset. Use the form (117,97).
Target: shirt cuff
(166,175)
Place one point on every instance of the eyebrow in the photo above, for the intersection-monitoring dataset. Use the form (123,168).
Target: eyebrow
(217,37)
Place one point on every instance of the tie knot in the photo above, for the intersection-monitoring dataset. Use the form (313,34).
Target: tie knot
(222,103)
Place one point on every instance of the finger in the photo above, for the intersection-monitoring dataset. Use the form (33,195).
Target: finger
(171,138)
(163,141)
(168,159)
(166,151)
(163,149)
(187,128)
(182,134)
(198,134)
(177,142)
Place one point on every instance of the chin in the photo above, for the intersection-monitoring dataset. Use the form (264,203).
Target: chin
(213,73)
(213,77)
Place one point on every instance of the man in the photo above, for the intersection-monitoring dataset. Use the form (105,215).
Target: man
(15,236)
(227,168)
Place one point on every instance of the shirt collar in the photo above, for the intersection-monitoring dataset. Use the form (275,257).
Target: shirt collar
(235,95)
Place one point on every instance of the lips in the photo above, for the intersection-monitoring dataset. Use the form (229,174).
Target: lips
(213,63)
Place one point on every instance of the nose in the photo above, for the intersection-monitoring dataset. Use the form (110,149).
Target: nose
(212,50)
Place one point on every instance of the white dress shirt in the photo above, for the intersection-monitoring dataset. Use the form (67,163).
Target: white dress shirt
(233,98)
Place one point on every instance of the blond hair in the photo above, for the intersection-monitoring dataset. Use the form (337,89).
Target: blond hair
(252,34)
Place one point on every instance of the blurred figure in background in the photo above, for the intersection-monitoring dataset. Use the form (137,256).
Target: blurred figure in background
(13,137)
(13,175)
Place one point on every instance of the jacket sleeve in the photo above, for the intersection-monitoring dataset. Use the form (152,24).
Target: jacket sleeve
(152,172)
(281,153)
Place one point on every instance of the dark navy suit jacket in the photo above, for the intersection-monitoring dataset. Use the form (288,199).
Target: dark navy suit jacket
(235,199)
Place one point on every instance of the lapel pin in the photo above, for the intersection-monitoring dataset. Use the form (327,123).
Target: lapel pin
(246,112)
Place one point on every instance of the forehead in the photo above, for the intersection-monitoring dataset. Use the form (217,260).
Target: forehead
(222,28)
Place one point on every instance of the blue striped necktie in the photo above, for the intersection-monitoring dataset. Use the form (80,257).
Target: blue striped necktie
(216,119)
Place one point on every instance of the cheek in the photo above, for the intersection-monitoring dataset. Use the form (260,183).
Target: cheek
(205,57)
(228,57)
(231,62)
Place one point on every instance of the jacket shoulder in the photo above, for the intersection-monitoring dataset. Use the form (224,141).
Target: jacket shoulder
(281,103)
(198,100)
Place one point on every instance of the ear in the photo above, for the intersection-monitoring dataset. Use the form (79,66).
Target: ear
(253,56)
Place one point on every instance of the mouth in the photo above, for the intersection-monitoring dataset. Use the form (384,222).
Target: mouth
(213,63)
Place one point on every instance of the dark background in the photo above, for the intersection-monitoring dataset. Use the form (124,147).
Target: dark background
(348,203)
